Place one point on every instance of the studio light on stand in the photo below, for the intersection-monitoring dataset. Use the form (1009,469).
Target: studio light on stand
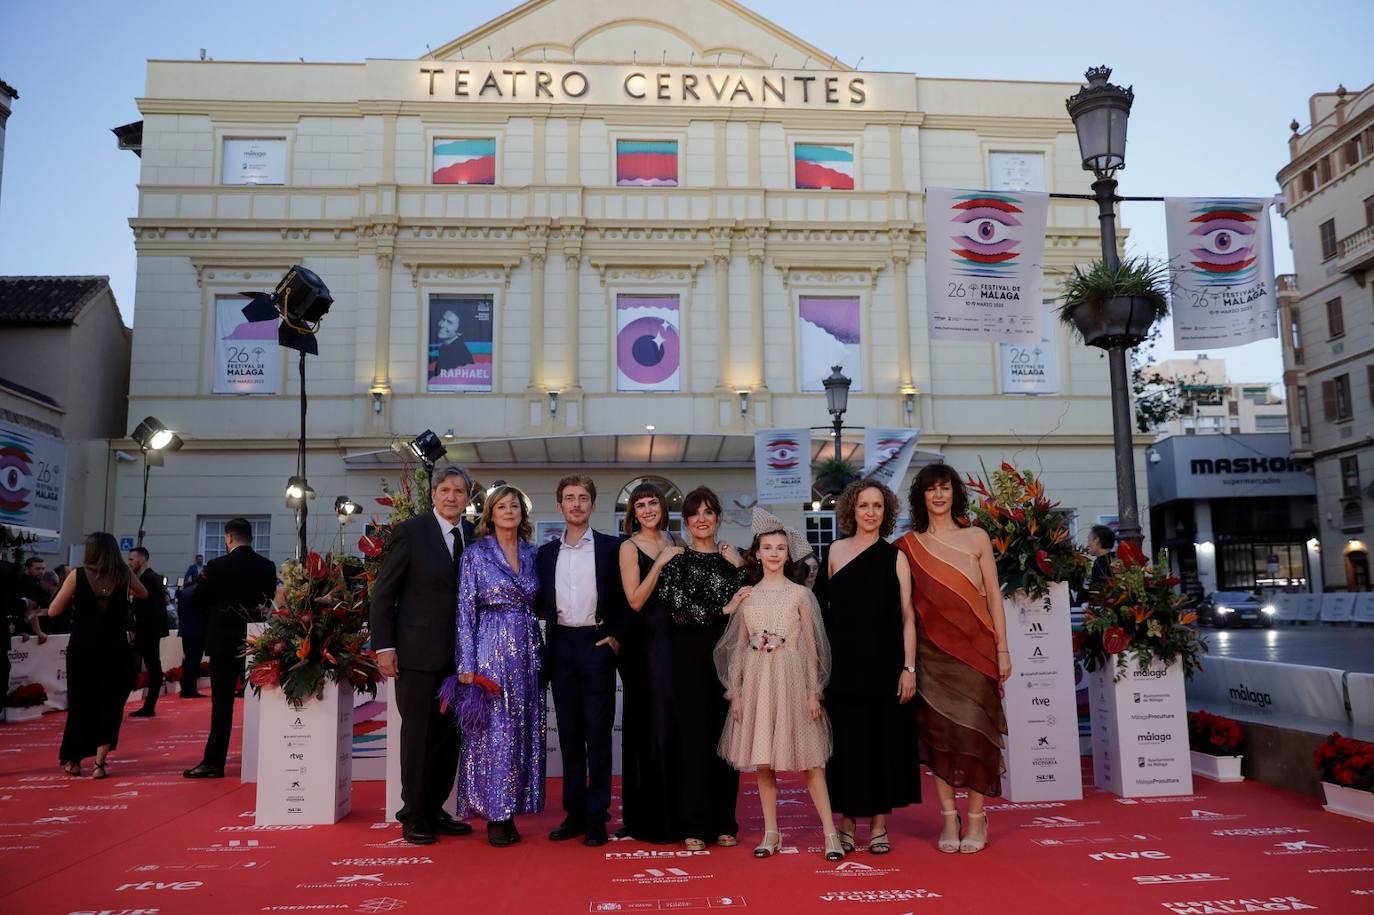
(154,440)
(344,508)
(301,300)
(429,450)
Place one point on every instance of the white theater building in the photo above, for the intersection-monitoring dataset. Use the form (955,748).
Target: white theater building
(492,230)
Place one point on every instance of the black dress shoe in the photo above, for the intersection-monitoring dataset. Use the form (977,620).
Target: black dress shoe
(568,829)
(444,824)
(143,713)
(417,834)
(203,770)
(596,835)
(193,695)
(497,834)
(512,831)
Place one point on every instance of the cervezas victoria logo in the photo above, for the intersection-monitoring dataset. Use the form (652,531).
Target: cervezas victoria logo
(1239,904)
(887,895)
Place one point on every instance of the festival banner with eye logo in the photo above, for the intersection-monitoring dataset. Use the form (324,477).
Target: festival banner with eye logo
(648,348)
(246,352)
(887,454)
(782,465)
(1221,260)
(829,336)
(32,475)
(985,266)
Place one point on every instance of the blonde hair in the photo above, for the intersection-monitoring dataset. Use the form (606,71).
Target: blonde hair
(485,525)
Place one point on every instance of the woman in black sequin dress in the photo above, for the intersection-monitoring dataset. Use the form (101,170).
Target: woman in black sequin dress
(695,586)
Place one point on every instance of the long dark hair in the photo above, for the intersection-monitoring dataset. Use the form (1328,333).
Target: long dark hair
(104,563)
(753,566)
(643,491)
(928,476)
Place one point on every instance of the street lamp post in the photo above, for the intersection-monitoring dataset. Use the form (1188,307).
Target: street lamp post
(837,402)
(1100,111)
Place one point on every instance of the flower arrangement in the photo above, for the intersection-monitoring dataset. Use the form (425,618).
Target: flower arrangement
(27,696)
(319,633)
(141,680)
(173,675)
(1214,734)
(1345,761)
(1031,540)
(404,506)
(1137,614)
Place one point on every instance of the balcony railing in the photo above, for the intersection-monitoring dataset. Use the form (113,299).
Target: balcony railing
(1356,253)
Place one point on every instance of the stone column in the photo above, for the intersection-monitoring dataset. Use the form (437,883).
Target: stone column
(538,237)
(381,360)
(572,277)
(901,259)
(757,239)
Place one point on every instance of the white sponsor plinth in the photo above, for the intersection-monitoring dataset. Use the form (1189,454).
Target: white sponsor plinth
(248,762)
(45,663)
(1140,731)
(1039,701)
(393,757)
(305,758)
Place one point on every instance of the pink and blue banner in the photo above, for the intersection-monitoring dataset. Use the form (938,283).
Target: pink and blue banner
(829,335)
(464,161)
(646,163)
(1221,259)
(246,357)
(648,345)
(822,166)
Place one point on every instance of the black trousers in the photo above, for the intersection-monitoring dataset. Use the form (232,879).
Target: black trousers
(429,745)
(150,653)
(584,702)
(192,650)
(707,785)
(225,671)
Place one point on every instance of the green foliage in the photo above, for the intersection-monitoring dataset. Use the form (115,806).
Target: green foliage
(1136,276)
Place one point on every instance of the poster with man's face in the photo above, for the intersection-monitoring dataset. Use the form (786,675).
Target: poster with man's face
(460,351)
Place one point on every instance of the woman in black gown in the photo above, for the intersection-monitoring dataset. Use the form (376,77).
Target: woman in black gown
(695,586)
(100,660)
(646,670)
(864,589)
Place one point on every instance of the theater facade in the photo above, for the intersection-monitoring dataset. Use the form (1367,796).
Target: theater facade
(575,241)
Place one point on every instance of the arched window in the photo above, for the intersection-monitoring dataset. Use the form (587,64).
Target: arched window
(671,495)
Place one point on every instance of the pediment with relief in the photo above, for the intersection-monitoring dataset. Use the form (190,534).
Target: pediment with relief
(679,33)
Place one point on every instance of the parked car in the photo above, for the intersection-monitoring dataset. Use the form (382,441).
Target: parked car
(1224,609)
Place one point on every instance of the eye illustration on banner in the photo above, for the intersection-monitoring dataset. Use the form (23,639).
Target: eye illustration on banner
(648,349)
(988,243)
(887,449)
(16,475)
(782,455)
(1225,233)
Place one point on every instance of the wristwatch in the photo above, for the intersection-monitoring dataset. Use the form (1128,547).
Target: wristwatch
(911,669)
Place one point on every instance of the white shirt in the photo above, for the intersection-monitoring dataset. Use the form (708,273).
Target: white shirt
(447,527)
(575,581)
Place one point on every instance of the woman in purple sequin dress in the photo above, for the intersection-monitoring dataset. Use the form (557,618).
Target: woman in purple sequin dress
(501,769)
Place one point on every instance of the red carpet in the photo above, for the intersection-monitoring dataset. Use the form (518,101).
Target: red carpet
(147,840)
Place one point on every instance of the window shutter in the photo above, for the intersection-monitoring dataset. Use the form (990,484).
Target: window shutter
(1329,409)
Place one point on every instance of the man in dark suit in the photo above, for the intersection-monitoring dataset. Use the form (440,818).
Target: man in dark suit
(232,589)
(583,603)
(150,626)
(191,628)
(412,610)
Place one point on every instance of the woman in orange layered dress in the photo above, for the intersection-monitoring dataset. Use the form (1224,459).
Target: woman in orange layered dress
(961,657)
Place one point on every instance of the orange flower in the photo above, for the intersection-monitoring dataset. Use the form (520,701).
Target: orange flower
(1188,618)
(1032,526)
(1035,490)
(1141,614)
(1060,535)
(1000,544)
(304,650)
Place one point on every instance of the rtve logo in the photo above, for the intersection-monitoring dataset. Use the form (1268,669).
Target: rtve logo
(1040,700)
(1129,856)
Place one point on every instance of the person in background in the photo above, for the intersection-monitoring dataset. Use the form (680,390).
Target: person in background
(232,589)
(1101,540)
(193,570)
(36,599)
(583,603)
(191,628)
(50,583)
(100,661)
(11,609)
(150,627)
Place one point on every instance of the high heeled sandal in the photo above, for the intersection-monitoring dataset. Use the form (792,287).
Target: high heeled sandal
(100,770)
(951,846)
(878,844)
(726,841)
(833,851)
(694,844)
(71,768)
(969,846)
(768,849)
(846,840)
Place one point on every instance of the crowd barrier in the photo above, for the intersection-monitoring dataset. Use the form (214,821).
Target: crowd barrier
(1338,607)
(1360,689)
(1364,607)
(1297,608)
(1294,696)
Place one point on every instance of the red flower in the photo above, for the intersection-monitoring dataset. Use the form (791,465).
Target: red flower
(1130,554)
(1042,559)
(1018,515)
(384,500)
(1115,640)
(1078,641)
(370,547)
(268,673)
(315,566)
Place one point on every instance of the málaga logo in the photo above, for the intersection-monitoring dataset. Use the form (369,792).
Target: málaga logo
(1239,693)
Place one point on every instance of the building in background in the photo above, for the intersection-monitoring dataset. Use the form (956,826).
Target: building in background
(8,95)
(1210,404)
(620,250)
(1235,512)
(1328,192)
(64,384)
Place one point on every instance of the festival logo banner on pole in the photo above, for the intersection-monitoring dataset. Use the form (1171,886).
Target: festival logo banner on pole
(985,264)
(1221,258)
(888,453)
(648,347)
(1032,368)
(33,470)
(246,359)
(459,343)
(829,334)
(782,468)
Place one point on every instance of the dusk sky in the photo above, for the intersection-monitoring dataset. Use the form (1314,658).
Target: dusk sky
(1216,86)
